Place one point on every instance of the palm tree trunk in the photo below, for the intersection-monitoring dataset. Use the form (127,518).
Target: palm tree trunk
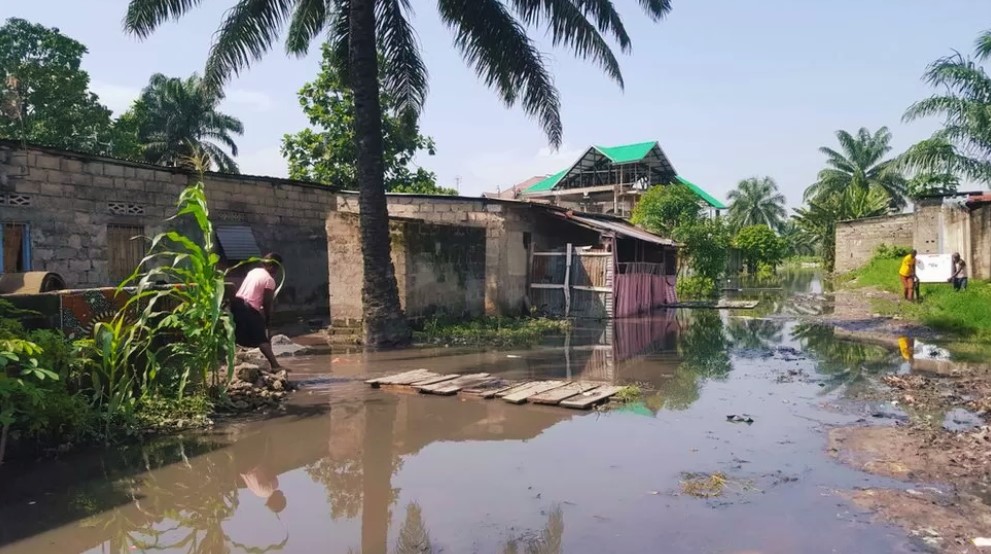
(384,321)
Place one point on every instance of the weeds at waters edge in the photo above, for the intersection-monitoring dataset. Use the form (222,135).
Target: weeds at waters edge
(965,313)
(490,331)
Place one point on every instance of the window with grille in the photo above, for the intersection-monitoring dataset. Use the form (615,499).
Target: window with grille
(126,245)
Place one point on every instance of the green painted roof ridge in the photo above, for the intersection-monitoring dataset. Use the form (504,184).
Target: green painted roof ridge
(547,184)
(710,199)
(626,153)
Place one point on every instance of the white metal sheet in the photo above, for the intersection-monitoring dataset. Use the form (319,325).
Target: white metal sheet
(933,268)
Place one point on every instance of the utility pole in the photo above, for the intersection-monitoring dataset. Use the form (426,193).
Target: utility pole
(457,184)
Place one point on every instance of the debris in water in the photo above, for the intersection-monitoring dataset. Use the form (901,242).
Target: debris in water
(704,486)
(959,419)
(514,356)
(733,418)
(982,542)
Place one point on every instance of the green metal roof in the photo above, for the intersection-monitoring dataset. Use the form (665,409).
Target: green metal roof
(709,199)
(627,153)
(548,183)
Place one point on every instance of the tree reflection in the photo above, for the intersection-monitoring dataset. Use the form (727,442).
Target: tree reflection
(704,347)
(548,542)
(845,363)
(413,535)
(755,334)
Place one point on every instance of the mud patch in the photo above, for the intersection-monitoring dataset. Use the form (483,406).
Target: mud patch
(941,522)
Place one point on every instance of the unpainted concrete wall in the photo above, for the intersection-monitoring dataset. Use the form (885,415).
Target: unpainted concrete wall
(69,200)
(857,240)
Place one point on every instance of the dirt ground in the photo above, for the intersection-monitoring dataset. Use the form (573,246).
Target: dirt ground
(947,466)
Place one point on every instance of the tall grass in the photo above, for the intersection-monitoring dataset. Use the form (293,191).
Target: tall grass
(966,313)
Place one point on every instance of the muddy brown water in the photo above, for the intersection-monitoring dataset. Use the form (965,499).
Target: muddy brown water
(351,469)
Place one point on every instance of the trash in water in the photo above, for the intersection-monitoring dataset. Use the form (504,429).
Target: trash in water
(512,356)
(733,418)
(982,542)
(704,486)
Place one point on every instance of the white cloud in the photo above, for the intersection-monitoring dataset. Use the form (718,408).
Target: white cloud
(267,162)
(116,97)
(249,99)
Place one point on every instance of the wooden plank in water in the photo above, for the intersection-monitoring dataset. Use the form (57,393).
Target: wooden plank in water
(586,401)
(555,396)
(520,396)
(514,388)
(451,387)
(435,380)
(490,390)
(403,378)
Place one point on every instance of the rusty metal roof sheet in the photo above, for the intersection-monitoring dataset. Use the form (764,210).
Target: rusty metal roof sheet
(617,227)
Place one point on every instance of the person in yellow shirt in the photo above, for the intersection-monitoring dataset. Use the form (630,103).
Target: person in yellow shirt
(907,274)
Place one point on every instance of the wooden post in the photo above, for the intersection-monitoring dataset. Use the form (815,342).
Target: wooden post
(567,282)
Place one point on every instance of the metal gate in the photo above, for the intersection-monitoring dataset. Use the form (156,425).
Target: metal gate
(577,282)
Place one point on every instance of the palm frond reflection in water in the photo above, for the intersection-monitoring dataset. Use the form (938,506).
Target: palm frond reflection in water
(844,363)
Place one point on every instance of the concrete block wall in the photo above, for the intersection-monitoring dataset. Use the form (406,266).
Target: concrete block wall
(980,242)
(68,200)
(856,241)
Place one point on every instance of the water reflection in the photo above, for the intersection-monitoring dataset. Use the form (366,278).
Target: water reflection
(844,363)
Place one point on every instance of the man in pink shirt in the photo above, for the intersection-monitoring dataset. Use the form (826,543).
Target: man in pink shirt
(252,308)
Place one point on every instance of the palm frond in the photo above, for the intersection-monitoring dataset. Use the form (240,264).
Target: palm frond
(339,40)
(405,75)
(569,26)
(248,31)
(982,48)
(505,58)
(144,16)
(606,19)
(656,9)
(308,19)
(220,160)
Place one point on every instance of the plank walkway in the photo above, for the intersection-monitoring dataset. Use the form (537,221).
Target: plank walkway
(567,394)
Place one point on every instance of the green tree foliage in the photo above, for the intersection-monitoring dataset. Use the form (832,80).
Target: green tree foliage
(818,218)
(962,148)
(328,153)
(756,201)
(798,242)
(177,119)
(758,244)
(44,95)
(705,246)
(860,164)
(492,38)
(662,208)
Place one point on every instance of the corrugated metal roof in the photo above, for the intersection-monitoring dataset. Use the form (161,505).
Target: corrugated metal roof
(627,153)
(617,227)
(547,184)
(709,199)
(237,242)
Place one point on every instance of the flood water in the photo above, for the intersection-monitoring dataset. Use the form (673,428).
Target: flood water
(350,469)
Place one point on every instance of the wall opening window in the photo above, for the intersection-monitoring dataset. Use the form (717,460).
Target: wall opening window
(15,253)
(126,251)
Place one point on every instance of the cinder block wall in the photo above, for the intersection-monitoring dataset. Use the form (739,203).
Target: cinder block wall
(857,240)
(69,200)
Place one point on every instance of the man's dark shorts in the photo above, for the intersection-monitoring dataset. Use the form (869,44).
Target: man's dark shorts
(249,324)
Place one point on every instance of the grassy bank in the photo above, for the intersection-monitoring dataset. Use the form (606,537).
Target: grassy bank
(490,331)
(966,313)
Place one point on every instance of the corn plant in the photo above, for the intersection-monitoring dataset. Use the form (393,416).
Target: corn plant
(180,332)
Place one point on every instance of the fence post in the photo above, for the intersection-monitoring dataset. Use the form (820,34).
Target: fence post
(567,282)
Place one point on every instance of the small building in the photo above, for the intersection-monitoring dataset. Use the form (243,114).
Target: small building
(77,215)
(611,179)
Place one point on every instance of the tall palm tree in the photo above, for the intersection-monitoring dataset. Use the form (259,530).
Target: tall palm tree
(818,219)
(178,119)
(860,163)
(963,145)
(756,201)
(492,38)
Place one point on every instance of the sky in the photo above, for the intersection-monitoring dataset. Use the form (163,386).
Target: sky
(730,89)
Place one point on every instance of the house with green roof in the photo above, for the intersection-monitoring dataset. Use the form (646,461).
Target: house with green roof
(610,179)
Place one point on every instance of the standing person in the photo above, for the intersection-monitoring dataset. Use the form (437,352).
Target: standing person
(907,274)
(252,308)
(959,277)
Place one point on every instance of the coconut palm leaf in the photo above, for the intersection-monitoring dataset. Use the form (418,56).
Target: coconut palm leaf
(860,163)
(757,201)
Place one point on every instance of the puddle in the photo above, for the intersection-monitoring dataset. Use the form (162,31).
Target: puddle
(351,469)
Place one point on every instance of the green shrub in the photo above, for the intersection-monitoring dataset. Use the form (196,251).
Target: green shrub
(890,251)
(695,286)
(491,331)
(765,271)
